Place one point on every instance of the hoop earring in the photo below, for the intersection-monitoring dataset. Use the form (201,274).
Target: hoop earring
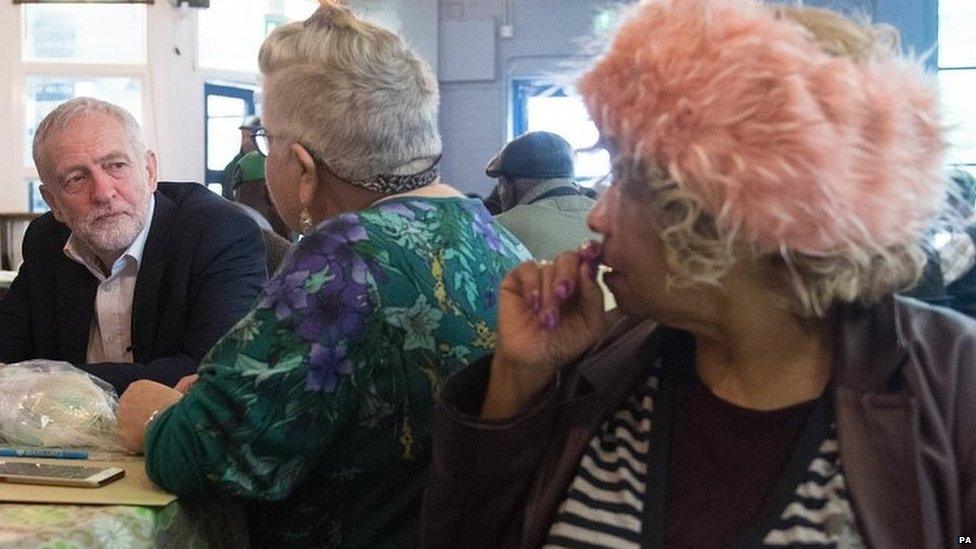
(305,220)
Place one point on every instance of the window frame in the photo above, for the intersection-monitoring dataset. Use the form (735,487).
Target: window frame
(236,91)
(970,163)
(14,106)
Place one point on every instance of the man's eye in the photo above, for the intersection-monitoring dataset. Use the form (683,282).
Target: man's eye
(117,167)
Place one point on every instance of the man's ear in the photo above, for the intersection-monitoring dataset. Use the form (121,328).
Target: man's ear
(308,178)
(151,171)
(52,203)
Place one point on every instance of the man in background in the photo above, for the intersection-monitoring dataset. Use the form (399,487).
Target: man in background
(251,195)
(231,174)
(126,278)
(949,279)
(251,191)
(539,201)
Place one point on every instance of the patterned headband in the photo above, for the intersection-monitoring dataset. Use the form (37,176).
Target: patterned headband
(392,184)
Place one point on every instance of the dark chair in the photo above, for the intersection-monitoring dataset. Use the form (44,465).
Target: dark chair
(277,248)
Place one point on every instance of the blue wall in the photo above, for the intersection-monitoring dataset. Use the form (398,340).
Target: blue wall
(548,39)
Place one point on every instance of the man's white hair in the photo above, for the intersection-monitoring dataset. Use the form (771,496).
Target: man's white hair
(61,116)
(351,92)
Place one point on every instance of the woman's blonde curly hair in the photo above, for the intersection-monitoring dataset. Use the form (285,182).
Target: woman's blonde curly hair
(699,252)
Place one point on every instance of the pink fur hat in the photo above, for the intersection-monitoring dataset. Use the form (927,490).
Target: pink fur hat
(784,144)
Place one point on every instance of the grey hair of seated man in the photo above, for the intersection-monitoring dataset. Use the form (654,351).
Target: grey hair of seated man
(61,116)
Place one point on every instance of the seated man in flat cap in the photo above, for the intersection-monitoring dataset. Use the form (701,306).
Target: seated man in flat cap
(540,202)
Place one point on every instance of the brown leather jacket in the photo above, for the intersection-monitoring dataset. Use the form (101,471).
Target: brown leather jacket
(905,405)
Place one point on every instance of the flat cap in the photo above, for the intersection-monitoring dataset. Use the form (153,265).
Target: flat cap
(534,155)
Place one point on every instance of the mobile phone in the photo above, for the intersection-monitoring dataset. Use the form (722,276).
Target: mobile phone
(28,472)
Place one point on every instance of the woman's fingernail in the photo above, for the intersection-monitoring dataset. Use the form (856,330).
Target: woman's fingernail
(551,320)
(536,301)
(590,249)
(562,289)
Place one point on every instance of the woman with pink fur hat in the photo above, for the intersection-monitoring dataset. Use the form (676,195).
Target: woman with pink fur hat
(774,171)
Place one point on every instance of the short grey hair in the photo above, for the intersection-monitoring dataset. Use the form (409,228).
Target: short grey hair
(61,116)
(353,93)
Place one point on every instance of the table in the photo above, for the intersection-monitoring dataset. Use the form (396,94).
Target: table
(146,517)
(105,526)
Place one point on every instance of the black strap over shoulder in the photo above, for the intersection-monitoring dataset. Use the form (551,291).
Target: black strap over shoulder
(565,190)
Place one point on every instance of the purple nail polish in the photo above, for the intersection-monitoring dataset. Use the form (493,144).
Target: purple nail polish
(551,320)
(562,289)
(589,250)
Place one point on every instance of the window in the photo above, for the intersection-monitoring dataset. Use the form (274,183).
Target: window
(76,33)
(225,108)
(230,32)
(35,202)
(42,94)
(957,78)
(62,52)
(229,35)
(542,106)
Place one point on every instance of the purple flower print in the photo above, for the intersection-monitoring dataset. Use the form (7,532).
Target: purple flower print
(338,233)
(326,365)
(336,313)
(308,260)
(483,226)
(285,294)
(489,298)
(422,205)
(397,208)
(334,242)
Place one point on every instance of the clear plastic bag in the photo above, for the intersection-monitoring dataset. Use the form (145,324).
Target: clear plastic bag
(53,404)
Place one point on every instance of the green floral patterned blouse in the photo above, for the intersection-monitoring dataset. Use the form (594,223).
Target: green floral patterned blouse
(316,407)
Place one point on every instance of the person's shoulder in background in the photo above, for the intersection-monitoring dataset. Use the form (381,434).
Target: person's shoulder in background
(199,205)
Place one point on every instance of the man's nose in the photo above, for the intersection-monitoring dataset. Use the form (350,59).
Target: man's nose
(103,186)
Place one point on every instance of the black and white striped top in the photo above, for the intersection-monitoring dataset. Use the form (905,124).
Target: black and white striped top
(604,504)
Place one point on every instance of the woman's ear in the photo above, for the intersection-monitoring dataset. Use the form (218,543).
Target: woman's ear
(308,179)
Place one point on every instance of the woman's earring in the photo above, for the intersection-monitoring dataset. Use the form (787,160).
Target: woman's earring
(305,220)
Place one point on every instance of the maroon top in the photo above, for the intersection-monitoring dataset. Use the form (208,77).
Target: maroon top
(724,461)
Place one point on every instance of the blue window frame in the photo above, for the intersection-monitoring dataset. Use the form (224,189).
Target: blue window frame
(956,59)
(224,108)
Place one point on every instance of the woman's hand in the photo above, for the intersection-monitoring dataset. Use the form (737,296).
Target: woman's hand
(141,402)
(548,314)
(184,384)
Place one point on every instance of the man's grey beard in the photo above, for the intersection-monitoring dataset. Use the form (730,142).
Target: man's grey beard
(116,234)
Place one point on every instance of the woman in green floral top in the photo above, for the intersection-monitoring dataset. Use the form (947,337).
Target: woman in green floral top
(316,406)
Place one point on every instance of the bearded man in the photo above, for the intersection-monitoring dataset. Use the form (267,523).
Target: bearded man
(126,277)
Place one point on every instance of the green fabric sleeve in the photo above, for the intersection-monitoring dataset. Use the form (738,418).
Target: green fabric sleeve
(247,428)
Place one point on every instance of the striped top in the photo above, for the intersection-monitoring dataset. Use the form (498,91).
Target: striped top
(820,514)
(604,504)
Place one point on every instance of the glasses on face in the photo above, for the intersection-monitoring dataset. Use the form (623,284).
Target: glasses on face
(262,140)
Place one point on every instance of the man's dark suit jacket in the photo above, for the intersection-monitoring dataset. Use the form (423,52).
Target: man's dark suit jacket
(202,269)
